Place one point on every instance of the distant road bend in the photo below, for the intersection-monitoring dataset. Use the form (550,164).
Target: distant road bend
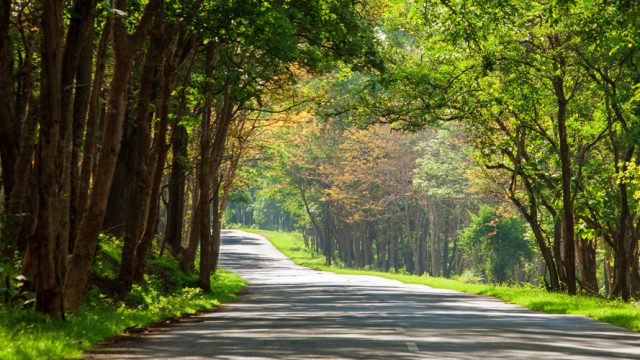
(291,312)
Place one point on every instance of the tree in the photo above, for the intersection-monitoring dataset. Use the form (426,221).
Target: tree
(500,240)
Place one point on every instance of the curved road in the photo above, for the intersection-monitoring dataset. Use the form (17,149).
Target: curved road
(291,312)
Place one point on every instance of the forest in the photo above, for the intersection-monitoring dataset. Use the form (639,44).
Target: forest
(494,141)
(498,144)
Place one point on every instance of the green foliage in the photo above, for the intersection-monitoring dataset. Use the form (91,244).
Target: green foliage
(469,276)
(165,293)
(107,257)
(440,169)
(499,239)
(13,291)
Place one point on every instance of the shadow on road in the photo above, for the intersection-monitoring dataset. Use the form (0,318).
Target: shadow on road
(296,313)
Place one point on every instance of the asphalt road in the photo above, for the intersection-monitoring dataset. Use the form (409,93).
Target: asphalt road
(291,312)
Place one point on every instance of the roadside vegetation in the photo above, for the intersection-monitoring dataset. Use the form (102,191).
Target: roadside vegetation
(499,141)
(492,141)
(615,312)
(164,294)
(131,117)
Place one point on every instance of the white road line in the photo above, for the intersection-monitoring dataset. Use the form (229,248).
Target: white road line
(412,346)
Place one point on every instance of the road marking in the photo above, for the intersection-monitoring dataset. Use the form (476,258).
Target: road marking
(412,346)
(400,330)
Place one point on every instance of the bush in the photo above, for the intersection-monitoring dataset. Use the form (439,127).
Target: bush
(164,293)
(471,277)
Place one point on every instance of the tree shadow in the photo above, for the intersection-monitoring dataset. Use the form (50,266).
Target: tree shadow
(292,312)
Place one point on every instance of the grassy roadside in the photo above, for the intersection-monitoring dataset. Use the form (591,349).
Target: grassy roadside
(167,293)
(612,311)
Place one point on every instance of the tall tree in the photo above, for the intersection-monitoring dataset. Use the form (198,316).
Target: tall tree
(125,46)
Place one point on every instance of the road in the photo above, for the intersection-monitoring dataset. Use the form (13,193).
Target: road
(291,312)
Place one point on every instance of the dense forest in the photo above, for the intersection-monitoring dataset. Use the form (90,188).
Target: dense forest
(492,139)
(509,150)
(98,97)
(380,199)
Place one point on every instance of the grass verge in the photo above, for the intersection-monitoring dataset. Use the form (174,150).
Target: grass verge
(615,312)
(165,294)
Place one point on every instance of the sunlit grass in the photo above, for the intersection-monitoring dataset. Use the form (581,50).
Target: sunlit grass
(25,334)
(612,311)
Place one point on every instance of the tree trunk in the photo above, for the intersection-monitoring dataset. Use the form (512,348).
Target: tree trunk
(78,33)
(433,235)
(124,46)
(80,108)
(175,213)
(445,246)
(567,198)
(557,248)
(46,247)
(554,279)
(530,213)
(420,265)
(91,224)
(8,132)
(123,183)
(204,182)
(158,159)
(634,276)
(19,195)
(93,123)
(189,254)
(216,225)
(588,265)
(621,265)
(139,162)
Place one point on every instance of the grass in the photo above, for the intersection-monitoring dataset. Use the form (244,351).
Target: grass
(615,312)
(167,293)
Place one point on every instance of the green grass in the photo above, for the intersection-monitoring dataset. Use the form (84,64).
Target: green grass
(167,293)
(615,312)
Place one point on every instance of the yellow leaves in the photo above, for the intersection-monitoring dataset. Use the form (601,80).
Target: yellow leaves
(632,172)
(369,171)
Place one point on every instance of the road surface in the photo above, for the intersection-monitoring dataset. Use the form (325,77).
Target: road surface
(291,312)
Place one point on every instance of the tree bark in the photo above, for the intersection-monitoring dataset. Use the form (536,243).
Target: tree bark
(189,254)
(175,211)
(78,33)
(212,160)
(80,109)
(216,225)
(46,247)
(433,235)
(567,198)
(16,122)
(224,117)
(623,249)
(124,46)
(204,183)
(158,158)
(93,123)
(588,265)
(8,131)
(140,165)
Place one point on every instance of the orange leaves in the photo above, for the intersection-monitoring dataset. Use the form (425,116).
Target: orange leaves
(371,169)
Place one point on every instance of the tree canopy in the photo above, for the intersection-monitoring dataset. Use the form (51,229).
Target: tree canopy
(439,137)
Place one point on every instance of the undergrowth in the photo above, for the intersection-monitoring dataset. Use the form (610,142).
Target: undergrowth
(165,293)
